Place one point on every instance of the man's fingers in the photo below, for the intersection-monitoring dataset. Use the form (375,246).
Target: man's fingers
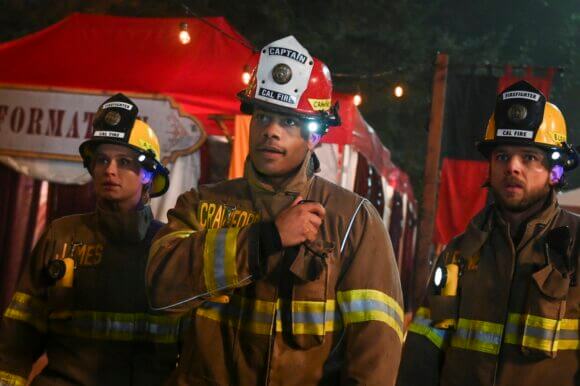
(316,208)
(315,220)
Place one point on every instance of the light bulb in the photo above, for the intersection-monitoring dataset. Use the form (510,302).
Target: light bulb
(246,77)
(399,91)
(184,37)
(357,99)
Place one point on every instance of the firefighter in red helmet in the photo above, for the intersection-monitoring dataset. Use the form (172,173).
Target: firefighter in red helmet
(292,279)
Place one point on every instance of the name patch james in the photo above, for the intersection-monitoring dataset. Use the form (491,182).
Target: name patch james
(110,134)
(120,105)
(212,215)
(279,96)
(515,133)
(86,255)
(295,55)
(532,96)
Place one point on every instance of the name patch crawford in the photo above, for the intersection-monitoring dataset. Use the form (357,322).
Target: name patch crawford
(212,215)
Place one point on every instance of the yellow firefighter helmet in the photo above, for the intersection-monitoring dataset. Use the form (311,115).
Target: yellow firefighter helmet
(116,123)
(523,117)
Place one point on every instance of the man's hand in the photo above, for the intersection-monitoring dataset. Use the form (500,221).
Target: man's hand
(299,222)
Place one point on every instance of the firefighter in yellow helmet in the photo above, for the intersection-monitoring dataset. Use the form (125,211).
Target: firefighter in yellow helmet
(81,297)
(292,279)
(504,304)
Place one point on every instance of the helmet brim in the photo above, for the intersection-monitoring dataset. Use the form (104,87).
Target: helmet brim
(486,147)
(248,104)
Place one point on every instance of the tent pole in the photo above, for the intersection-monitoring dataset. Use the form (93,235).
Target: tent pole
(430,180)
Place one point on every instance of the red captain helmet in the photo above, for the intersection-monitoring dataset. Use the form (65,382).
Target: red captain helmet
(288,80)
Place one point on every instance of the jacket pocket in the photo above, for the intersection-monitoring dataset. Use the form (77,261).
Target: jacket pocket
(311,311)
(545,309)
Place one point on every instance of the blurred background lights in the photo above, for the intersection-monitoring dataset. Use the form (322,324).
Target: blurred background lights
(246,75)
(184,37)
(399,91)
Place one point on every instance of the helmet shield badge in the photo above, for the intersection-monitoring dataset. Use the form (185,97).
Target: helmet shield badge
(519,111)
(115,118)
(283,72)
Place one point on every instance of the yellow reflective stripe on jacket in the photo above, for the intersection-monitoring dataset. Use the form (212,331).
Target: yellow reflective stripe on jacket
(170,236)
(525,330)
(569,338)
(261,317)
(544,334)
(7,379)
(251,315)
(365,305)
(308,317)
(219,255)
(311,317)
(116,326)
(27,309)
(478,335)
(422,325)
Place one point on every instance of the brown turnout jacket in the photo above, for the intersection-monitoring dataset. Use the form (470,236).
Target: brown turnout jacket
(516,312)
(323,313)
(99,331)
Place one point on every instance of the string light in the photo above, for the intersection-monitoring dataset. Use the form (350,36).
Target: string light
(357,99)
(184,37)
(399,91)
(246,75)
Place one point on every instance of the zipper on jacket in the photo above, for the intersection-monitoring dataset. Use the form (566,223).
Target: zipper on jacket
(272,340)
(513,271)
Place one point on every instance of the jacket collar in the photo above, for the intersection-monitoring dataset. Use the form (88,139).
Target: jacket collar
(480,227)
(294,185)
(542,217)
(124,227)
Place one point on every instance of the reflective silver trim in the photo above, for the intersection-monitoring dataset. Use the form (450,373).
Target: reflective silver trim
(350,224)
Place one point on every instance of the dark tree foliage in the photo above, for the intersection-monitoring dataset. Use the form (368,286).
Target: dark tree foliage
(387,42)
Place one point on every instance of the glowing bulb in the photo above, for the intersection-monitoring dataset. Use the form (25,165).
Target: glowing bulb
(439,277)
(246,77)
(184,37)
(357,100)
(555,155)
(399,91)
